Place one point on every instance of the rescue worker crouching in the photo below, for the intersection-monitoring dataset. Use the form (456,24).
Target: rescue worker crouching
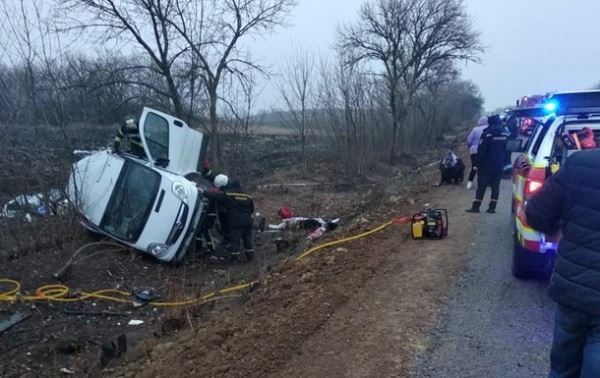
(129,130)
(207,225)
(239,207)
(219,181)
(491,154)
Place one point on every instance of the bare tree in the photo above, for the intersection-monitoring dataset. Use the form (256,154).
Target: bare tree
(411,39)
(298,92)
(353,120)
(143,24)
(240,102)
(19,27)
(213,30)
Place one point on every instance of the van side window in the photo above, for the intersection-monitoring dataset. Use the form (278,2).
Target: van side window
(532,137)
(156,134)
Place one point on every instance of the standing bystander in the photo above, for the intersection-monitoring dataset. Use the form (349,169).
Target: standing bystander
(473,143)
(569,202)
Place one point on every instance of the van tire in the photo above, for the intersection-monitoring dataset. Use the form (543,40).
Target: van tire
(519,270)
(527,265)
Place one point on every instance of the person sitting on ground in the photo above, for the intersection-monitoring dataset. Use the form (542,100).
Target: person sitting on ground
(452,169)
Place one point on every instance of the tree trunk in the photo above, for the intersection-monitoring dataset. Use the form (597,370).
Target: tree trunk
(303,147)
(174,95)
(394,111)
(215,147)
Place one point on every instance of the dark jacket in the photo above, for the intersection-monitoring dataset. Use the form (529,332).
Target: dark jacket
(239,205)
(491,152)
(132,133)
(209,174)
(570,201)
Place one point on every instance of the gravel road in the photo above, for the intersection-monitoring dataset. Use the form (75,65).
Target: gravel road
(494,324)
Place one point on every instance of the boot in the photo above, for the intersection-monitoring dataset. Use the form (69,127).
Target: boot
(249,255)
(492,208)
(474,208)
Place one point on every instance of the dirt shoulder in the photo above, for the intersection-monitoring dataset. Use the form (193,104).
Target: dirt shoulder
(495,326)
(359,310)
(375,333)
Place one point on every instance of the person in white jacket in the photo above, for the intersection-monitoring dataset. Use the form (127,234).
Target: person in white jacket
(473,142)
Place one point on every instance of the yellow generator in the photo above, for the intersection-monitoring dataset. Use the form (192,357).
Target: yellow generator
(430,224)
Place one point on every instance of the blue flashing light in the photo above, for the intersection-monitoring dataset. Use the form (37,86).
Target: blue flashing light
(551,106)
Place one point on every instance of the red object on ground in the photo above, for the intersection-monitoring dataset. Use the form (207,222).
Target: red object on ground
(402,220)
(285,213)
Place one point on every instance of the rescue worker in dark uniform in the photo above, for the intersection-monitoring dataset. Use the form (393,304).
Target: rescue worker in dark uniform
(129,129)
(239,207)
(490,157)
(208,223)
(220,181)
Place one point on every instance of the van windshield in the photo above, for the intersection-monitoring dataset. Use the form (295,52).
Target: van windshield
(131,202)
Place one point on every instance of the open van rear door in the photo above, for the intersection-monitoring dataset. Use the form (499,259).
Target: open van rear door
(170,143)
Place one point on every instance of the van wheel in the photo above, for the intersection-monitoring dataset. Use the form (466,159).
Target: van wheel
(526,265)
(519,270)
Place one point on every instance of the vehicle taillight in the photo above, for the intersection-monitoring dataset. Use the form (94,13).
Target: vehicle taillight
(532,187)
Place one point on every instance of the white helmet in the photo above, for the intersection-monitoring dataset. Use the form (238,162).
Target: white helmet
(221,181)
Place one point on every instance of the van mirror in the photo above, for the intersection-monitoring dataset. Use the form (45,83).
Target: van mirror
(514,145)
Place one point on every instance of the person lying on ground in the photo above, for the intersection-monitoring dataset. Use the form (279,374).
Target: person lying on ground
(316,225)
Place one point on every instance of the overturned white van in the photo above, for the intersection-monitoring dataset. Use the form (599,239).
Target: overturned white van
(145,203)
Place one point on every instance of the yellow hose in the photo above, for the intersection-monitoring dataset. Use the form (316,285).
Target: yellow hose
(342,241)
(60,293)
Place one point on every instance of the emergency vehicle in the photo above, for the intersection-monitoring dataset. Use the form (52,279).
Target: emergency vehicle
(526,125)
(565,123)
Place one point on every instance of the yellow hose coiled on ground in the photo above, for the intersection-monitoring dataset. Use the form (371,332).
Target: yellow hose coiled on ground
(60,293)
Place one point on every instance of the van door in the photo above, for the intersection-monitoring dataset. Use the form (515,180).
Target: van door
(170,143)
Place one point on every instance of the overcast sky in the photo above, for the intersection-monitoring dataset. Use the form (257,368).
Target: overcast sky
(533,46)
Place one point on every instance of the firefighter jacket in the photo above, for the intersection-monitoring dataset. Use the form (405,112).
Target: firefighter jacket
(132,133)
(569,201)
(491,153)
(238,205)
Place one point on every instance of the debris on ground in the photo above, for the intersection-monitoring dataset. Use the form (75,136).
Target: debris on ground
(316,226)
(14,319)
(67,371)
(39,204)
